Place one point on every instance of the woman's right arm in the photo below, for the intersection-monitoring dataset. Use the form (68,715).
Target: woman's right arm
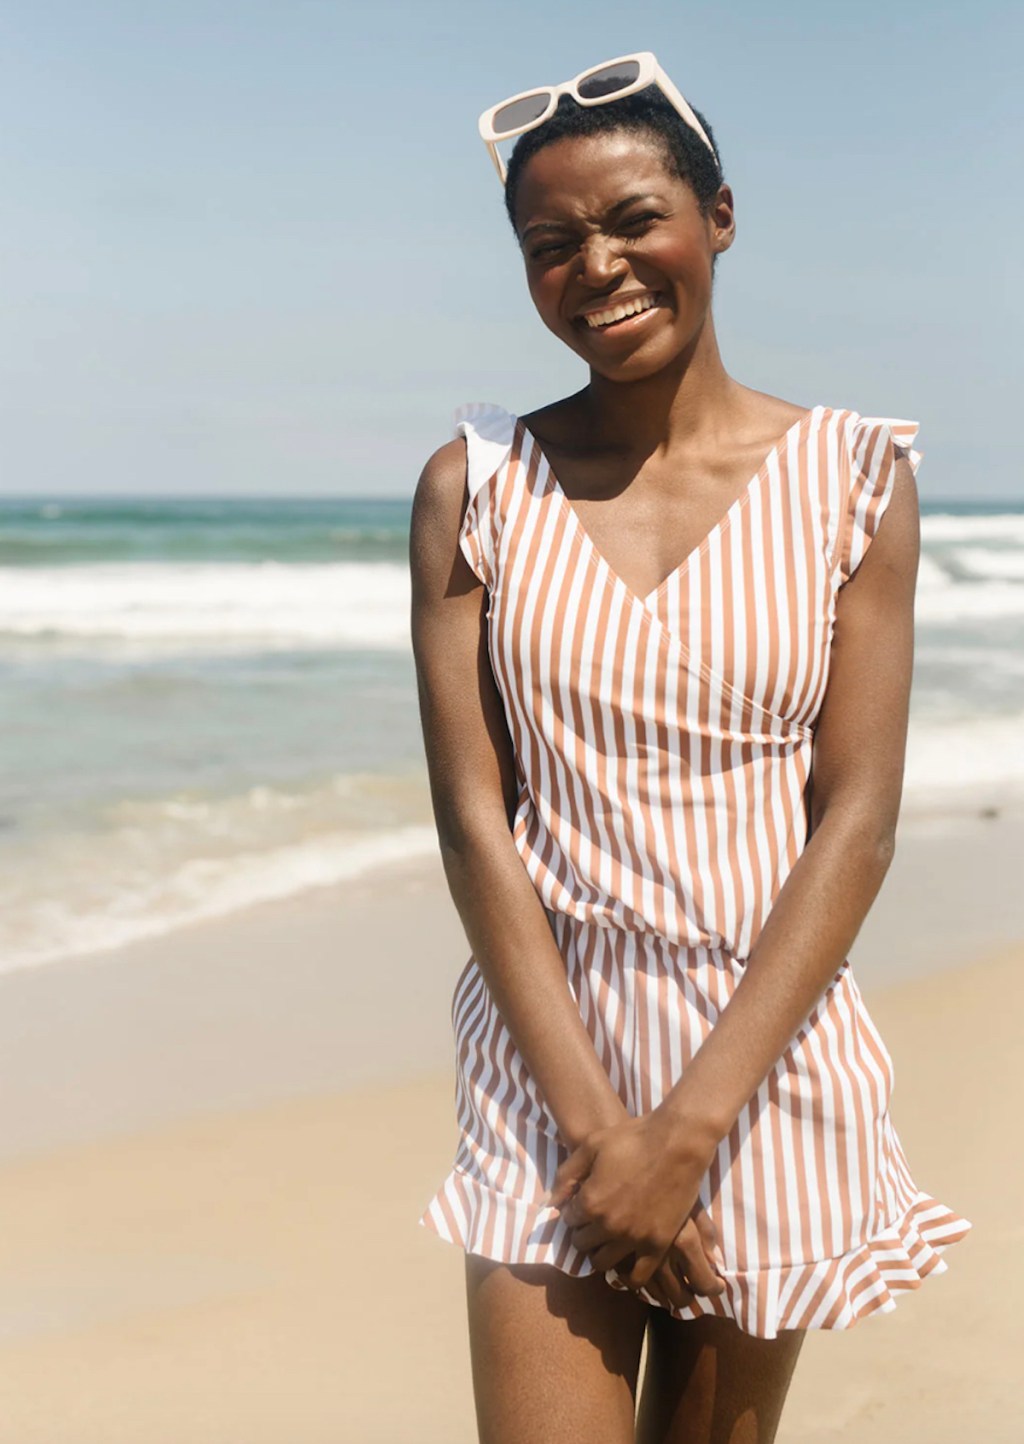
(473,788)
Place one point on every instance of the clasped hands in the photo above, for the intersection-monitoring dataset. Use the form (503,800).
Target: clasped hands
(631,1189)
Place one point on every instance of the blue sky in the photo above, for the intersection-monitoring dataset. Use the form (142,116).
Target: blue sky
(259,248)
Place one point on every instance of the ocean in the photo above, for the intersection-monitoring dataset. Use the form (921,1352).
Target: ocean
(209,703)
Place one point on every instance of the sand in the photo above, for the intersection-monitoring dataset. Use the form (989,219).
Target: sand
(214,1157)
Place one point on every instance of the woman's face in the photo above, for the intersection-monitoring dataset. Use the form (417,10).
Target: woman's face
(603,222)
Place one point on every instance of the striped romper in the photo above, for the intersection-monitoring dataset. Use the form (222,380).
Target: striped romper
(663,748)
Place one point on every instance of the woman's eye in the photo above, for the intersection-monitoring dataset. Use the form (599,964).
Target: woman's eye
(639,222)
(548,250)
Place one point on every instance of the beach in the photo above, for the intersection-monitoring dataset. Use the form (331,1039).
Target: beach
(235,991)
(227,957)
(216,1144)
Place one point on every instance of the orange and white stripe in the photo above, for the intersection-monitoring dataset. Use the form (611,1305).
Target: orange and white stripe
(664,747)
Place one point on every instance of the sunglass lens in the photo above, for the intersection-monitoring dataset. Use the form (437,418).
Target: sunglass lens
(609,79)
(520,112)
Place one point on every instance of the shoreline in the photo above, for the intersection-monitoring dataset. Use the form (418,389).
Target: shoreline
(413,844)
(287,998)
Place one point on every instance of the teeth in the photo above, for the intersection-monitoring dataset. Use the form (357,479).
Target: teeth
(594,319)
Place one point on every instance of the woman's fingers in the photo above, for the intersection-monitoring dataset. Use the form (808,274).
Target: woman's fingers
(666,1286)
(669,1288)
(588,1236)
(705,1226)
(689,1267)
(570,1174)
(611,1255)
(645,1266)
(671,1284)
(607,1252)
(700,1274)
(658,1292)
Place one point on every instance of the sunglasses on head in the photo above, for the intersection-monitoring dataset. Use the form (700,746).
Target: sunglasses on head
(611,80)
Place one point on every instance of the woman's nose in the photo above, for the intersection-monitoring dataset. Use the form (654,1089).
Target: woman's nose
(600,262)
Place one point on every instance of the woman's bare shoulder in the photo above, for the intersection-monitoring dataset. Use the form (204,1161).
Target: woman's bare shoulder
(438,501)
(772,414)
(443,476)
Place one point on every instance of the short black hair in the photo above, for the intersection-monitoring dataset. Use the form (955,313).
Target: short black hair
(645,110)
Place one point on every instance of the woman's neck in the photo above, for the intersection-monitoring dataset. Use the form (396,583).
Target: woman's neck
(692,400)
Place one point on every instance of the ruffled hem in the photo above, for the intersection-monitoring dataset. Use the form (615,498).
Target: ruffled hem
(832,1293)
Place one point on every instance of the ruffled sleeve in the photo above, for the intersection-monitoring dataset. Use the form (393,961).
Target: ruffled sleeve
(488,430)
(872,473)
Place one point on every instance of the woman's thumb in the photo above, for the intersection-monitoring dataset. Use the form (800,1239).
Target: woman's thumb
(570,1174)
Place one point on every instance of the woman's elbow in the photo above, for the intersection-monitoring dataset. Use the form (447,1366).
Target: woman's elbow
(870,830)
(466,825)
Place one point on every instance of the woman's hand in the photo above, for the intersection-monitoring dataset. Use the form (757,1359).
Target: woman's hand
(629,1190)
(689,1267)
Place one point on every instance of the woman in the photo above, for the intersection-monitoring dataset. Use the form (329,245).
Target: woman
(666,794)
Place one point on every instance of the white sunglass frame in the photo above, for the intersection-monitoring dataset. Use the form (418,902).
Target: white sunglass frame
(649,73)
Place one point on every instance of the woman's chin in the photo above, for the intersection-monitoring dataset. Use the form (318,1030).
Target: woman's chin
(637,366)
(646,357)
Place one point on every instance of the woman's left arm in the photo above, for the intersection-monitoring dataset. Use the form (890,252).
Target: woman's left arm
(856,787)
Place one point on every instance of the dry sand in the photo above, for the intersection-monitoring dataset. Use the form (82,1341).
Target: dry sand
(216,1155)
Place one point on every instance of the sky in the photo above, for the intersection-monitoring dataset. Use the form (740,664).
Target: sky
(260,249)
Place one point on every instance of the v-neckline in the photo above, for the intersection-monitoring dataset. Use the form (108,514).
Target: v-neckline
(649,603)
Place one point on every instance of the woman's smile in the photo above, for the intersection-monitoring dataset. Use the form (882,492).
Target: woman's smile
(624,315)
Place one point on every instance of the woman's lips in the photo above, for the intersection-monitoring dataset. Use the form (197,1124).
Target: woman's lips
(627,325)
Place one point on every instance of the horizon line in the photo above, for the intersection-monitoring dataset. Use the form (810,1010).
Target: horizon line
(44,497)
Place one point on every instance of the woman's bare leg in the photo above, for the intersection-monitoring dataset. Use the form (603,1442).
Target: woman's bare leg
(708,1382)
(555,1358)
